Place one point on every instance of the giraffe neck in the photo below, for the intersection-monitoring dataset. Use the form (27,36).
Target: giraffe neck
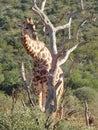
(33,47)
(37,50)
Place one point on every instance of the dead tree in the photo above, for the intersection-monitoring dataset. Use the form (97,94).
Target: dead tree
(57,59)
(88,117)
(59,56)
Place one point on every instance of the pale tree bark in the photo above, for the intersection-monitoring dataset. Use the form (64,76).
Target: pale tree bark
(57,59)
(43,5)
(68,52)
(25,86)
(82,5)
(88,116)
(86,112)
(52,30)
(68,25)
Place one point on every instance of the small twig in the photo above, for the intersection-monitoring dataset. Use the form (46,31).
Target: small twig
(23,103)
(59,20)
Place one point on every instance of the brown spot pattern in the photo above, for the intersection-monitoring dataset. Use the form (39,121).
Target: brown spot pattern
(42,62)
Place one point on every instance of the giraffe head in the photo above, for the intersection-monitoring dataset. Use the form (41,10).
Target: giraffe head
(29,29)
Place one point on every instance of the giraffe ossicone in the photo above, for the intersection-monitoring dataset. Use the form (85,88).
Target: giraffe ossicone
(42,63)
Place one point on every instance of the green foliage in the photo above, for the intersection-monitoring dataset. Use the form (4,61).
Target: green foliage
(85,72)
(85,93)
(64,125)
(13,13)
(11,77)
(20,120)
(5,23)
(24,7)
(1,74)
(25,1)
(70,101)
(28,118)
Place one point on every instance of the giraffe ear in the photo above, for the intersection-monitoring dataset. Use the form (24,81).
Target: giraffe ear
(31,21)
(27,20)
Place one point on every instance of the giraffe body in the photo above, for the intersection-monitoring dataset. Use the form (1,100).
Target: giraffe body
(42,64)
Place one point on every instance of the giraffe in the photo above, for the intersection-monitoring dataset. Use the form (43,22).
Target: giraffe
(42,63)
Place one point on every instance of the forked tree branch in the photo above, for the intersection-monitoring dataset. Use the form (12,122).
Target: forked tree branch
(57,61)
(64,26)
(42,15)
(48,25)
(68,25)
(64,59)
(52,30)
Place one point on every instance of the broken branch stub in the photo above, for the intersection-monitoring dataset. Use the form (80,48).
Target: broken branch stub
(25,86)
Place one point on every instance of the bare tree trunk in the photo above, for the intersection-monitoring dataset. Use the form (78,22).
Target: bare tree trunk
(59,57)
(86,112)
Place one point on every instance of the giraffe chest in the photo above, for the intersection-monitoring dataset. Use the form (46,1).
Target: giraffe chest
(40,77)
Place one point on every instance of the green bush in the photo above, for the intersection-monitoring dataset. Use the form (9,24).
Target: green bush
(25,1)
(1,74)
(85,93)
(22,120)
(24,7)
(65,125)
(5,23)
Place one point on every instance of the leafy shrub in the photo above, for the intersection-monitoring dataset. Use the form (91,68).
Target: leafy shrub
(22,120)
(24,7)
(85,93)
(65,125)
(5,23)
(25,1)
(1,74)
(76,79)
(82,77)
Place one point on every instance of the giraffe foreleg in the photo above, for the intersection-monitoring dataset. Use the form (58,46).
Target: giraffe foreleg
(40,100)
